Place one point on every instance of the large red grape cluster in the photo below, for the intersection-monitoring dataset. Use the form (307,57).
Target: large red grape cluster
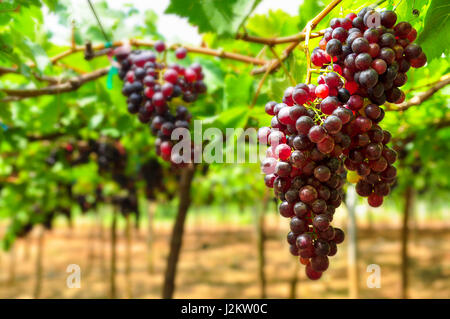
(321,134)
(305,168)
(156,91)
(372,58)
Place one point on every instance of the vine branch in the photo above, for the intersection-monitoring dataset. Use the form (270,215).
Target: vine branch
(43,78)
(144,43)
(421,97)
(278,40)
(67,86)
(313,23)
(401,142)
(206,51)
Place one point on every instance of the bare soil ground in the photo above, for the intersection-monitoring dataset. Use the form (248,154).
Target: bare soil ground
(220,261)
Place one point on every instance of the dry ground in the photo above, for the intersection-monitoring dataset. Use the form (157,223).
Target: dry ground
(220,261)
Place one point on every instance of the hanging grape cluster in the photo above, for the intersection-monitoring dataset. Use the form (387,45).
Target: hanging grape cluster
(322,134)
(111,158)
(157,92)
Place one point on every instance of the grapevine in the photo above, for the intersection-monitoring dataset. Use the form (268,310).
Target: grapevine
(155,91)
(321,135)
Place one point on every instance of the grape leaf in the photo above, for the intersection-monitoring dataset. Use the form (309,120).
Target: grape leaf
(95,121)
(435,36)
(151,19)
(38,54)
(233,118)
(50,115)
(214,76)
(274,24)
(411,11)
(221,17)
(259,114)
(238,90)
(51,4)
(308,10)
(5,115)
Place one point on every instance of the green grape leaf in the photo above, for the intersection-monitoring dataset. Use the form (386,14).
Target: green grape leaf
(411,11)
(214,76)
(51,4)
(37,53)
(435,37)
(261,116)
(50,114)
(308,10)
(124,123)
(238,90)
(5,114)
(275,23)
(96,120)
(151,19)
(221,17)
(111,132)
(233,118)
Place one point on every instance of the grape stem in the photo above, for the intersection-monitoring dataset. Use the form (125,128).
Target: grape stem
(307,55)
(280,40)
(73,42)
(258,90)
(142,43)
(69,85)
(313,23)
(319,114)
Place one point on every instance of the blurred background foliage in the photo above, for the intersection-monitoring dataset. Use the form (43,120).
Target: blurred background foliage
(96,112)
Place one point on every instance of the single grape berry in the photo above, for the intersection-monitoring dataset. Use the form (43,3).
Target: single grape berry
(375,200)
(360,45)
(304,241)
(308,194)
(339,235)
(334,47)
(332,124)
(160,46)
(311,273)
(301,209)
(329,104)
(283,151)
(322,91)
(286,209)
(180,53)
(317,134)
(319,263)
(388,18)
(269,107)
(304,124)
(363,61)
(299,96)
(321,222)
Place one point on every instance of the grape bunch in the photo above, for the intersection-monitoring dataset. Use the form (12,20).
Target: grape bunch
(305,168)
(322,134)
(155,90)
(372,59)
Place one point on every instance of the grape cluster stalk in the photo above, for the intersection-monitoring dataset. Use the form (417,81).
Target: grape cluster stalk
(158,93)
(322,134)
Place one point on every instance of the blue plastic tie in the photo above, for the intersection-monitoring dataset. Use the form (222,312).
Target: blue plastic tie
(4,126)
